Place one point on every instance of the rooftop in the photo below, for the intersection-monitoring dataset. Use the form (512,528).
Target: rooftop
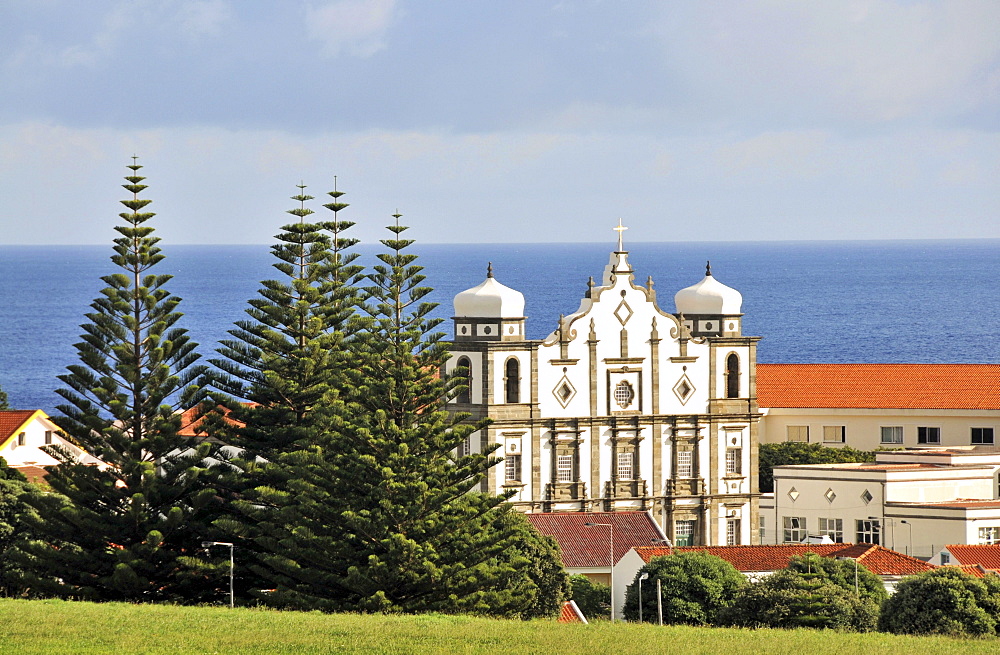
(880,386)
(966,555)
(589,546)
(749,559)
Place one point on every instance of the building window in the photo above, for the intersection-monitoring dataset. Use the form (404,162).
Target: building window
(22,439)
(512,380)
(625,461)
(684,533)
(732,376)
(928,435)
(833,528)
(564,468)
(624,394)
(798,433)
(989,536)
(465,448)
(869,531)
(733,532)
(761,531)
(734,461)
(834,434)
(48,437)
(892,434)
(465,395)
(512,464)
(794,529)
(979,436)
(685,464)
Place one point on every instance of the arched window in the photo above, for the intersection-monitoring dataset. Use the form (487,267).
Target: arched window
(732,376)
(465,395)
(512,380)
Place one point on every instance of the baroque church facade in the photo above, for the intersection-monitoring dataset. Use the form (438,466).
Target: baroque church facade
(623,407)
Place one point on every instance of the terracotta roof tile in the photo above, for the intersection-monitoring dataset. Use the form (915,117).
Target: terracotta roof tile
(588,546)
(988,556)
(878,560)
(571,613)
(975,570)
(880,386)
(11,420)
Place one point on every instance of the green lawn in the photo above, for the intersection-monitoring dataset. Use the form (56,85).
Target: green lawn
(66,627)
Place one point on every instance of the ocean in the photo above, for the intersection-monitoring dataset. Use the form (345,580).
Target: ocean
(812,302)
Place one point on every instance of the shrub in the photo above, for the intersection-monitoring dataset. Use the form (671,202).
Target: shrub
(943,601)
(696,588)
(593,598)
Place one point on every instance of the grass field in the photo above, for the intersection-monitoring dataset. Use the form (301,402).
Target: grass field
(57,627)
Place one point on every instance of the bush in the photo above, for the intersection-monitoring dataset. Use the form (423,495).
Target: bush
(696,588)
(593,598)
(944,601)
(795,452)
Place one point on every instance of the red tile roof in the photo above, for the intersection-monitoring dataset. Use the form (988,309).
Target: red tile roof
(11,421)
(975,570)
(880,386)
(34,474)
(878,560)
(589,546)
(988,556)
(571,613)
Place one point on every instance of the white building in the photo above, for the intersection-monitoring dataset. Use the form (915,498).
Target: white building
(873,406)
(914,501)
(624,406)
(27,439)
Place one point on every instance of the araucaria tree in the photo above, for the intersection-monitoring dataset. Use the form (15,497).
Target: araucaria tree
(130,530)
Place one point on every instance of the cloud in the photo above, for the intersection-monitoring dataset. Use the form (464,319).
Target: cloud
(203,17)
(354,27)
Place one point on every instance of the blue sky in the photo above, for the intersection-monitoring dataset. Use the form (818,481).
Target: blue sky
(490,121)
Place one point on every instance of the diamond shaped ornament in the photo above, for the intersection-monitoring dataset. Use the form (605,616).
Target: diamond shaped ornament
(564,391)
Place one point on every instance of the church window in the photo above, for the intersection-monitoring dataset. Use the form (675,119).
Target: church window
(733,532)
(465,447)
(794,529)
(685,464)
(512,380)
(892,434)
(928,435)
(761,528)
(625,466)
(834,434)
(797,433)
(684,533)
(565,472)
(465,395)
(982,435)
(734,461)
(624,394)
(512,464)
(989,536)
(833,528)
(733,376)
(869,531)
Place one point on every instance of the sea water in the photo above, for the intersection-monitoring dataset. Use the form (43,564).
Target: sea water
(837,302)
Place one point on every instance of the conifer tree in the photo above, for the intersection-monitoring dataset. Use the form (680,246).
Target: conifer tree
(281,375)
(130,530)
(3,400)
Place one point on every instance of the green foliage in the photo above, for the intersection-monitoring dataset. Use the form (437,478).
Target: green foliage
(697,587)
(130,530)
(842,574)
(944,601)
(593,598)
(3,400)
(12,526)
(804,597)
(797,452)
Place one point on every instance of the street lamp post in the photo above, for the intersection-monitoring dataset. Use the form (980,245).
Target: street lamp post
(232,563)
(611,531)
(909,548)
(644,576)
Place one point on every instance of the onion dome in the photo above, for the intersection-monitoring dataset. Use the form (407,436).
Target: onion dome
(490,300)
(708,297)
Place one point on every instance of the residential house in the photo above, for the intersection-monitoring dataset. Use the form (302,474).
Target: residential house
(27,440)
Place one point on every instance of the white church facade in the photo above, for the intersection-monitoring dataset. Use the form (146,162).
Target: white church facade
(625,406)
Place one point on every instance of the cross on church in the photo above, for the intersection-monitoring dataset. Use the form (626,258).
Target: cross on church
(621,228)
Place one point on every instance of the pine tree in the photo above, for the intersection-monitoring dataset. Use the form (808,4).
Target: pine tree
(419,537)
(287,362)
(3,400)
(130,530)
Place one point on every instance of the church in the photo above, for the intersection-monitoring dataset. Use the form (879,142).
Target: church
(624,407)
